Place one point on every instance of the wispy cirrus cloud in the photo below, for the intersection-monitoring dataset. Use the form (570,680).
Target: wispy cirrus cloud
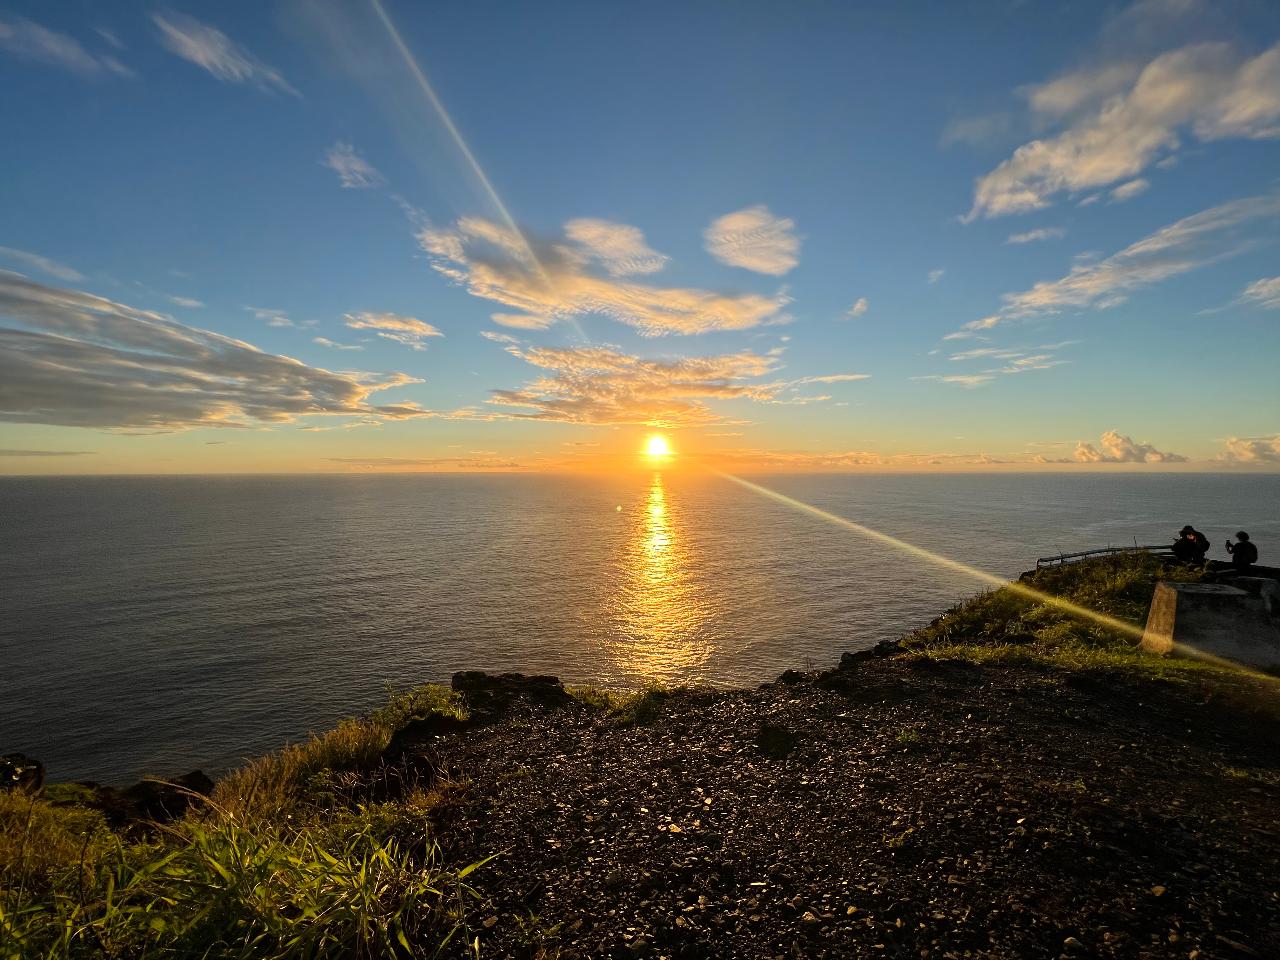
(71,358)
(935,275)
(754,239)
(212,50)
(28,40)
(546,282)
(1119,119)
(1190,243)
(969,380)
(1038,235)
(271,316)
(354,171)
(409,331)
(1262,293)
(334,345)
(44,265)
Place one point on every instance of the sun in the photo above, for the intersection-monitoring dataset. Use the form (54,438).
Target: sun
(657,447)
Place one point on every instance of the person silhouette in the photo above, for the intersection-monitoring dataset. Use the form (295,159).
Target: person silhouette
(1243,554)
(1191,545)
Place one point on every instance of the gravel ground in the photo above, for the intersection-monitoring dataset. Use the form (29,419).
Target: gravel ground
(900,808)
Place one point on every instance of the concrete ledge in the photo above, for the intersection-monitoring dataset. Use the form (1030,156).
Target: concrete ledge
(1213,621)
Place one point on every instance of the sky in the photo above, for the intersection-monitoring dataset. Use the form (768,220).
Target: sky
(375,235)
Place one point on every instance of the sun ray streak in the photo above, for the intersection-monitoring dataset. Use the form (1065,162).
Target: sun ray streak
(937,559)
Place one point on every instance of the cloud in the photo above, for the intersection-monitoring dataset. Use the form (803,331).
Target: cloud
(935,275)
(754,239)
(968,380)
(1012,361)
(555,282)
(1118,448)
(1192,242)
(74,359)
(387,463)
(619,247)
(211,49)
(1263,293)
(334,345)
(603,386)
(30,41)
(353,170)
(46,453)
(1035,236)
(43,264)
(1127,191)
(803,460)
(406,330)
(1123,118)
(189,302)
(273,317)
(1251,449)
(859,307)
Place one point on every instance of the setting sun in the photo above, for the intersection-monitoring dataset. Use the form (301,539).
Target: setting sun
(657,447)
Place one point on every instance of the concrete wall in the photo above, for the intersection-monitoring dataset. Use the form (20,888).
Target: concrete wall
(1212,620)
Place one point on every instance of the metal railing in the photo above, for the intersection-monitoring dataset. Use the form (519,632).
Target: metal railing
(1160,548)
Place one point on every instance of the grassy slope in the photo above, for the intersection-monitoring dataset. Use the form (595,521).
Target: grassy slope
(319,851)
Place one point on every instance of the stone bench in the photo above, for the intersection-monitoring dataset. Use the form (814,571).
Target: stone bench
(1215,621)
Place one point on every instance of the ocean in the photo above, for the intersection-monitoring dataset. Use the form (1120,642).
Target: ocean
(150,625)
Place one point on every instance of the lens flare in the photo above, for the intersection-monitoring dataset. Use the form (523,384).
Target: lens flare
(1030,593)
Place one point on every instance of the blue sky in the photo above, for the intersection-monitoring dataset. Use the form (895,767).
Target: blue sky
(351,236)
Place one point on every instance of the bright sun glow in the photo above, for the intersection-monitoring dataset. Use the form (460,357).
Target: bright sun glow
(657,447)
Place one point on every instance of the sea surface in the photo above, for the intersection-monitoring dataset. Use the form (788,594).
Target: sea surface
(151,625)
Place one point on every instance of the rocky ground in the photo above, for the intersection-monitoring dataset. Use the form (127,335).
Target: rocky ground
(902,807)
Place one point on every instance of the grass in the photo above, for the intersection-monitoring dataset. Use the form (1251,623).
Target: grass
(1002,626)
(631,707)
(284,861)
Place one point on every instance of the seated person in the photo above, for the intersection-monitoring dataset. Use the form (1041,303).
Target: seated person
(1243,554)
(1191,545)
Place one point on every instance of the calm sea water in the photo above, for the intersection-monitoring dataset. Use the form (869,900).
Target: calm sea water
(149,625)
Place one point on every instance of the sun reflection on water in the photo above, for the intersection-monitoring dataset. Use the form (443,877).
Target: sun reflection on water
(661,611)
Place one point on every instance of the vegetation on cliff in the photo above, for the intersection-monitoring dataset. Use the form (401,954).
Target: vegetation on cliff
(1008,781)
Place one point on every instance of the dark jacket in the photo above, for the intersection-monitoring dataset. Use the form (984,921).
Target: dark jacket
(1243,554)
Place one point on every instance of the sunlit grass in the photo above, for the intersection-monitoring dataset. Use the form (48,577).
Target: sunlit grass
(282,862)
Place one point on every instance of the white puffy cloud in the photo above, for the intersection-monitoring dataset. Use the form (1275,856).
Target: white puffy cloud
(1035,236)
(353,170)
(1121,119)
(75,359)
(619,247)
(409,331)
(549,282)
(1118,448)
(754,239)
(30,41)
(1251,449)
(859,307)
(212,50)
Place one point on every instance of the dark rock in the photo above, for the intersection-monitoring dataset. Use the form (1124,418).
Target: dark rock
(775,741)
(490,695)
(791,676)
(22,773)
(420,734)
(154,801)
(885,648)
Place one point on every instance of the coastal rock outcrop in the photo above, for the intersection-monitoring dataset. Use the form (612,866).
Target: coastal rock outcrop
(489,696)
(20,772)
